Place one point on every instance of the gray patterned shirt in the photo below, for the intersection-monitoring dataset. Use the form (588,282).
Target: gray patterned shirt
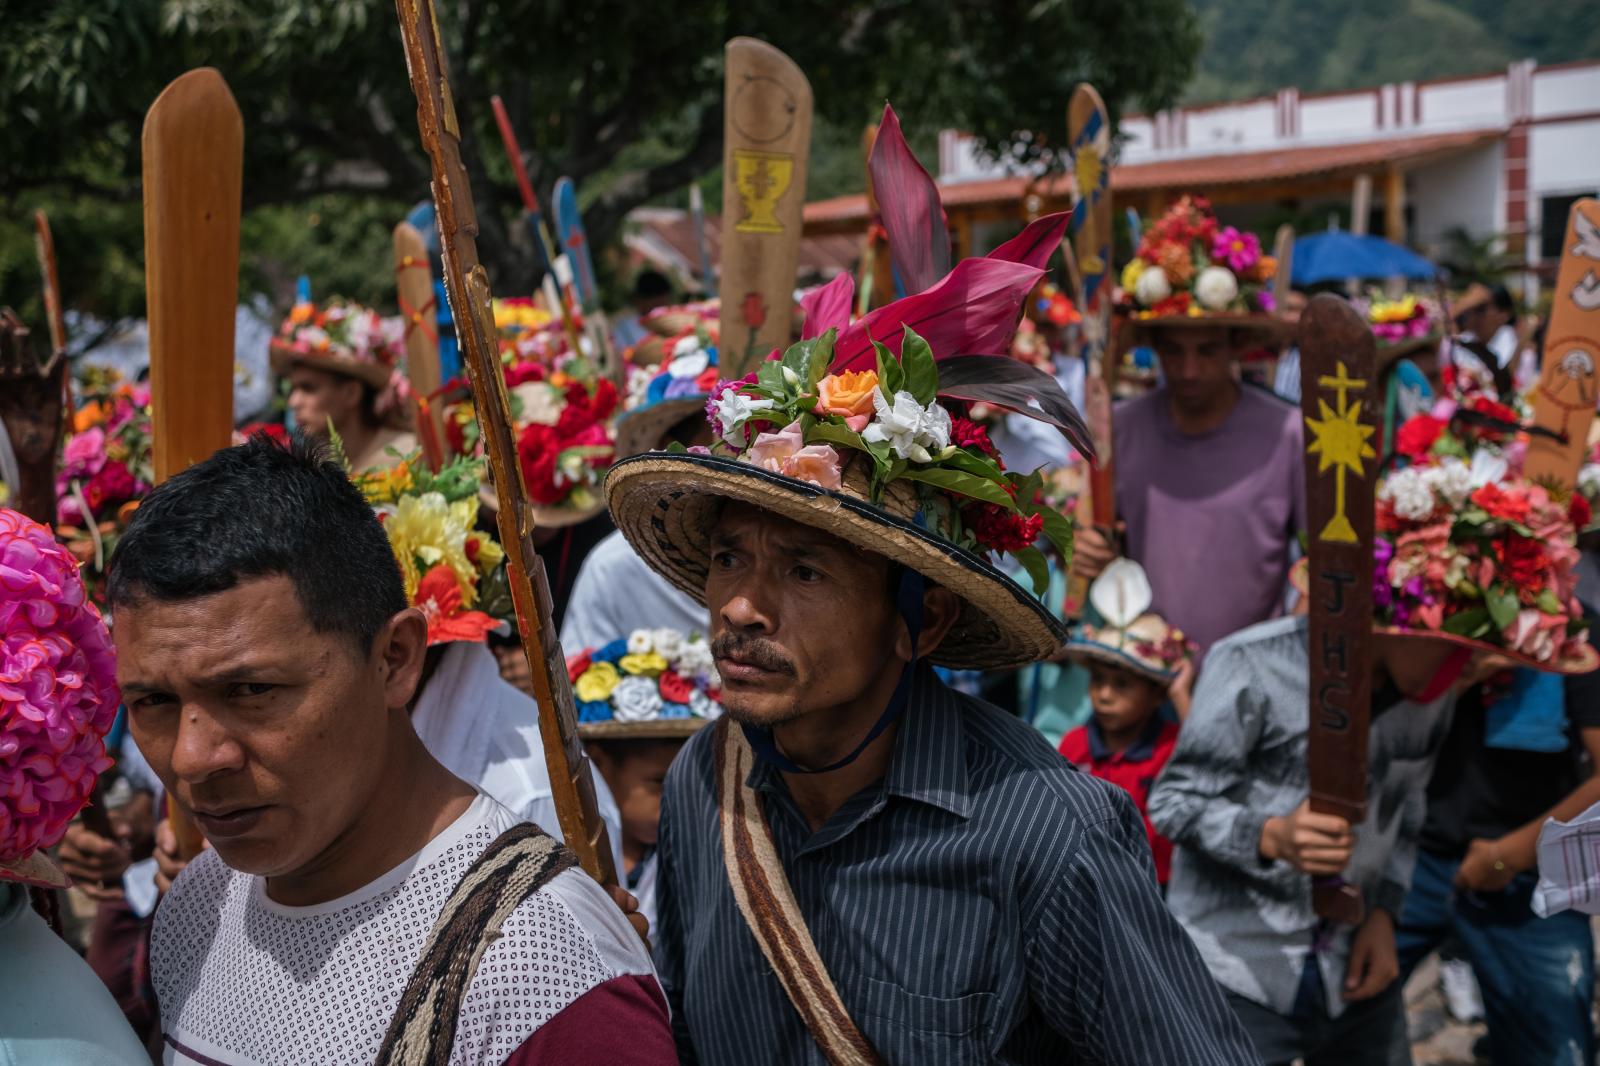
(983,902)
(1240,759)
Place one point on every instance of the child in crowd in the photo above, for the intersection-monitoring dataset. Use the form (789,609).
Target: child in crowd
(1138,665)
(639,699)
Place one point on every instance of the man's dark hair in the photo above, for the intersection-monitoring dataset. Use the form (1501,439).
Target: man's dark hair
(651,285)
(256,510)
(1500,296)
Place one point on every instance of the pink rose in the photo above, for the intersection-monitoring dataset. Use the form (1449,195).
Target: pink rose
(786,453)
(1536,634)
(85,453)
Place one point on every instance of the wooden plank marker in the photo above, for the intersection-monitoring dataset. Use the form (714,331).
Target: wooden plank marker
(1564,401)
(467,284)
(766,148)
(1339,400)
(193,148)
(413,284)
(1089,132)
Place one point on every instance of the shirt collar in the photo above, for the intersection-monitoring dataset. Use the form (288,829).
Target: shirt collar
(1139,751)
(930,754)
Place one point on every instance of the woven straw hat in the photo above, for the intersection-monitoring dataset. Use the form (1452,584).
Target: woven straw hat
(666,504)
(640,430)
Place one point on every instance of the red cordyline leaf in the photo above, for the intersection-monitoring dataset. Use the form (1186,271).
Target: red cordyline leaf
(908,201)
(828,306)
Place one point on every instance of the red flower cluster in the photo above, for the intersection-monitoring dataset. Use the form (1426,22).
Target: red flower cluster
(675,688)
(1522,562)
(1176,304)
(1501,505)
(999,529)
(1187,221)
(965,433)
(1416,437)
(581,425)
(1580,512)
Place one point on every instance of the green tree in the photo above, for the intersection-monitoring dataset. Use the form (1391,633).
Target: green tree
(623,96)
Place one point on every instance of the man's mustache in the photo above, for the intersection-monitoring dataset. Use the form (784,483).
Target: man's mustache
(752,650)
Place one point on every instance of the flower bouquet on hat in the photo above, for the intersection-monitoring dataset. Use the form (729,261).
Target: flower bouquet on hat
(1468,550)
(666,325)
(1189,270)
(58,698)
(343,337)
(677,389)
(105,469)
(657,683)
(862,429)
(1402,326)
(453,572)
(1130,635)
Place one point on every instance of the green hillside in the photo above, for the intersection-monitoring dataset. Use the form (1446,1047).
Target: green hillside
(1256,46)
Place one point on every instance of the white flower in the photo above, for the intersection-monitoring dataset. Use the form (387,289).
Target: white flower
(734,410)
(1487,468)
(1450,479)
(685,346)
(639,642)
(541,403)
(694,657)
(913,431)
(1589,479)
(703,706)
(667,642)
(1152,287)
(1413,499)
(636,699)
(638,386)
(690,364)
(1216,288)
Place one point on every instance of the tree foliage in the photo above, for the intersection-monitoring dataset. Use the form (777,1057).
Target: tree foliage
(623,96)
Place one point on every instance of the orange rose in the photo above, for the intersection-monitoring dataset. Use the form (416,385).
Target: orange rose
(90,415)
(846,394)
(1177,261)
(1266,268)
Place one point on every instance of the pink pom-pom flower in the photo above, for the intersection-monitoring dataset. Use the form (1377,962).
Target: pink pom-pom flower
(58,688)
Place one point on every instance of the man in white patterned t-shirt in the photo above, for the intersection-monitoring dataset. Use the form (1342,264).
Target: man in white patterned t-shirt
(361,903)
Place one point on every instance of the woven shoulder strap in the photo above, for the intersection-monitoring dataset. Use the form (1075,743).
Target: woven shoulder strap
(761,889)
(517,864)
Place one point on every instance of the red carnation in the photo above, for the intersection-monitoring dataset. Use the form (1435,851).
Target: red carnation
(1176,304)
(965,433)
(1485,406)
(1001,530)
(1417,436)
(537,448)
(523,373)
(1522,562)
(604,400)
(1500,504)
(1580,512)
(675,688)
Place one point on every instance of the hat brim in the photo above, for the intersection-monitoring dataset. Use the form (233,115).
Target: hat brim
(36,869)
(1081,650)
(285,359)
(664,504)
(1265,327)
(641,429)
(1588,659)
(544,515)
(659,729)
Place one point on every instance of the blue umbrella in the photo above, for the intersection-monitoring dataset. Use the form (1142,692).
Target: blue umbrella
(1337,255)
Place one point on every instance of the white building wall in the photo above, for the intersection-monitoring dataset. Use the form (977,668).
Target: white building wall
(1463,104)
(1464,190)
(1244,127)
(1566,91)
(1348,116)
(1563,157)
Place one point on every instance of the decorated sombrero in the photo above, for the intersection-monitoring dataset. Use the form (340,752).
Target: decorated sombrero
(453,572)
(860,430)
(58,698)
(676,390)
(1404,326)
(651,684)
(562,410)
(1469,551)
(663,325)
(1190,271)
(1129,635)
(345,338)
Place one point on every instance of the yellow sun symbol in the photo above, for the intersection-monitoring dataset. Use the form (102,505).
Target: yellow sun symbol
(1340,442)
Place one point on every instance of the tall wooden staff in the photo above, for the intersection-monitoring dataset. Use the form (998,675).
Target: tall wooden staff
(1564,401)
(575,246)
(414,293)
(467,284)
(45,245)
(766,145)
(193,147)
(1339,400)
(1089,131)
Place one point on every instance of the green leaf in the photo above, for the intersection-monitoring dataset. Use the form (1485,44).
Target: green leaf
(962,484)
(891,377)
(832,433)
(1058,531)
(1473,622)
(921,372)
(978,465)
(1502,605)
(821,359)
(798,359)
(1548,603)
(769,378)
(1033,561)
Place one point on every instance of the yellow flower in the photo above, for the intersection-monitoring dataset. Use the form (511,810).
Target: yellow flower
(490,554)
(597,682)
(385,485)
(650,663)
(427,530)
(1403,310)
(1131,272)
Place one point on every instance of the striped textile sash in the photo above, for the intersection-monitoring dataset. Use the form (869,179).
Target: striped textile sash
(517,864)
(761,889)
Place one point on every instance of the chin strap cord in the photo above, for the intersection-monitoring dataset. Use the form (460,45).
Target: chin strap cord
(908,600)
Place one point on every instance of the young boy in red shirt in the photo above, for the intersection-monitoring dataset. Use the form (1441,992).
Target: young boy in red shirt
(1137,664)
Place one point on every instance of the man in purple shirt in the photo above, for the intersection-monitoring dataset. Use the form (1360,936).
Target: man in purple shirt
(1209,484)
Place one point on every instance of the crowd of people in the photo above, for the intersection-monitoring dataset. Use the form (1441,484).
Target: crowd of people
(870,793)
